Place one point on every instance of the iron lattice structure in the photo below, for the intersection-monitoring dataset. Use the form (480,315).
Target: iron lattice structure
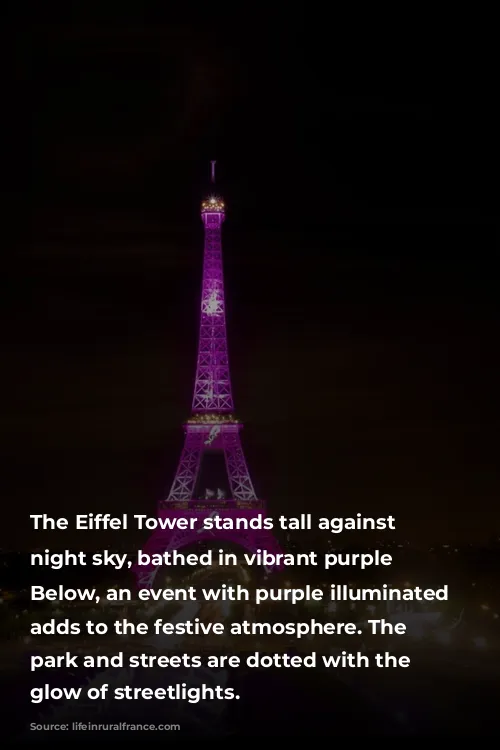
(212,426)
(212,390)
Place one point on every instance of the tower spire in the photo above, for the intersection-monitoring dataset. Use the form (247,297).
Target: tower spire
(212,172)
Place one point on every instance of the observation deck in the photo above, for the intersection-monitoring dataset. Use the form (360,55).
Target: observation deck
(213,205)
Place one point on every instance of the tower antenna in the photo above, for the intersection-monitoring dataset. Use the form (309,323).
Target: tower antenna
(212,176)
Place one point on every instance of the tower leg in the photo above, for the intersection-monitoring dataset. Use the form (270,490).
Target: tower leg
(237,470)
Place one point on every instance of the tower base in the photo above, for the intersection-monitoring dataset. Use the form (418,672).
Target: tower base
(170,536)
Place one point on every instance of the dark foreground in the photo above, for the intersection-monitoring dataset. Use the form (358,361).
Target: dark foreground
(442,694)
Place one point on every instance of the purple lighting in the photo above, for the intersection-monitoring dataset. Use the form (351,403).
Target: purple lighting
(212,389)
(212,428)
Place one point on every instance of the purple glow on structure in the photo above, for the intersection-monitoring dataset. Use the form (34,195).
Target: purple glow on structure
(212,426)
(200,437)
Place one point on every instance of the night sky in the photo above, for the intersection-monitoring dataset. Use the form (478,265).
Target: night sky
(359,247)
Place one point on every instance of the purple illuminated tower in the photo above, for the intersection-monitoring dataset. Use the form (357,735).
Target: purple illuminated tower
(212,434)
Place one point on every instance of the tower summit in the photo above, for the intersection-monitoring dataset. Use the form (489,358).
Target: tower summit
(212,477)
(212,389)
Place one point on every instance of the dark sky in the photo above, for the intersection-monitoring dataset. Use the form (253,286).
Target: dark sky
(359,245)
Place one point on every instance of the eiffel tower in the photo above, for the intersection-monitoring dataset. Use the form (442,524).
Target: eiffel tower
(212,478)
